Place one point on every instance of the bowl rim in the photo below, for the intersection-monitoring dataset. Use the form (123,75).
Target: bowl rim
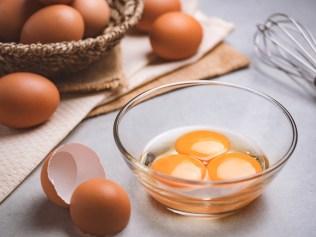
(130,159)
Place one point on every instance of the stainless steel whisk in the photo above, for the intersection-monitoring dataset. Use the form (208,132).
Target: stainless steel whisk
(284,43)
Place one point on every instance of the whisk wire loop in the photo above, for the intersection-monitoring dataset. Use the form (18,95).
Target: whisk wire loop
(285,44)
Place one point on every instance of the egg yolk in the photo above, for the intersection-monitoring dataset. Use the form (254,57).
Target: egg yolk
(232,165)
(202,144)
(180,166)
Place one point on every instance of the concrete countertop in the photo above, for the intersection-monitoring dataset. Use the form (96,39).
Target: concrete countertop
(287,207)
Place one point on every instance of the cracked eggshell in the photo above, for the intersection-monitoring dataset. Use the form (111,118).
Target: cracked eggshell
(67,167)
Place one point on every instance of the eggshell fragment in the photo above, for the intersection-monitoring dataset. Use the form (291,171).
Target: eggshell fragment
(67,167)
(49,188)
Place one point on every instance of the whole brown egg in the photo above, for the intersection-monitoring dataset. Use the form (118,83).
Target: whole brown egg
(100,207)
(55,23)
(13,14)
(175,36)
(26,99)
(49,2)
(155,8)
(96,15)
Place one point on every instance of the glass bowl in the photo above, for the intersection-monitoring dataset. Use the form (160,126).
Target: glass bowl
(237,109)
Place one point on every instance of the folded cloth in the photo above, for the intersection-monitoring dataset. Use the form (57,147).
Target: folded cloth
(22,150)
(223,59)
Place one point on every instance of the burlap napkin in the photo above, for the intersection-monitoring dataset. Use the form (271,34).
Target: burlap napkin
(223,59)
(105,74)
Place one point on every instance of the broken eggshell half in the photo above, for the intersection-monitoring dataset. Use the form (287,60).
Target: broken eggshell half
(67,167)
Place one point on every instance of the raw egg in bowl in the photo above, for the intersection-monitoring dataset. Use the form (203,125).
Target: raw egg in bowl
(204,148)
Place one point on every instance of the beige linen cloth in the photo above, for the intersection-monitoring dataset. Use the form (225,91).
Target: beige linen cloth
(22,150)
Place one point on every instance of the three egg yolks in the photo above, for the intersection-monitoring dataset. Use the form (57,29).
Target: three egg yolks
(205,155)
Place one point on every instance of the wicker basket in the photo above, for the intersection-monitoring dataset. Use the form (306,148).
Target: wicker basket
(67,57)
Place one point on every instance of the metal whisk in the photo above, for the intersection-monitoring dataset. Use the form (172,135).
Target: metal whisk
(284,43)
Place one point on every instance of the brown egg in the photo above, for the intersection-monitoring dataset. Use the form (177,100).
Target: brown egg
(176,36)
(155,8)
(100,207)
(55,23)
(13,14)
(49,2)
(96,15)
(26,99)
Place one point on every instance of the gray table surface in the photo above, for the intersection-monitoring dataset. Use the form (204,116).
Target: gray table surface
(286,208)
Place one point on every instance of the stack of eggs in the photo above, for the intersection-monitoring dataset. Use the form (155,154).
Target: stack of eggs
(173,34)
(28,99)
(48,21)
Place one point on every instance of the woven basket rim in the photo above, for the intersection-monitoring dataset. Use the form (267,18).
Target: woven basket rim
(106,36)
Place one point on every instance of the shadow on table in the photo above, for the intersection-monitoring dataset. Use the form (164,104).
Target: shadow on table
(48,217)
(149,218)
(156,218)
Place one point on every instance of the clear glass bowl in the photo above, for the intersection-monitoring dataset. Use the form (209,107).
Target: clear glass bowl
(234,108)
